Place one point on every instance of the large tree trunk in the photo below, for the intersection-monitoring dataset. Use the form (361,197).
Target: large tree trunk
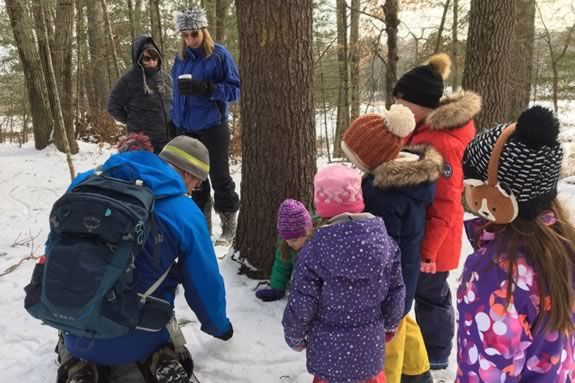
(278,149)
(98,56)
(81,59)
(222,7)
(33,74)
(61,138)
(210,7)
(522,57)
(454,48)
(487,64)
(354,58)
(111,46)
(63,65)
(343,91)
(391,10)
(156,24)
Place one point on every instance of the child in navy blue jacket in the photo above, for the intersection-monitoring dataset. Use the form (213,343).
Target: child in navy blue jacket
(398,186)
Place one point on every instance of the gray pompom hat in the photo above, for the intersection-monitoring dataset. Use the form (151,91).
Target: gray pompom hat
(191,20)
(189,155)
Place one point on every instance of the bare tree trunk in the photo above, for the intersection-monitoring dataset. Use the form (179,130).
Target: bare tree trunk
(33,75)
(63,65)
(98,56)
(138,18)
(487,65)
(343,92)
(275,38)
(81,61)
(454,48)
(441,26)
(61,138)
(111,49)
(210,7)
(354,58)
(131,17)
(222,7)
(391,10)
(522,57)
(156,24)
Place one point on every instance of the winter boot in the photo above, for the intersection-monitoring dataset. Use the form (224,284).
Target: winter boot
(82,372)
(422,378)
(208,214)
(228,228)
(167,368)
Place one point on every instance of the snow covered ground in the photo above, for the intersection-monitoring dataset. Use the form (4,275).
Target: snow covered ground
(30,181)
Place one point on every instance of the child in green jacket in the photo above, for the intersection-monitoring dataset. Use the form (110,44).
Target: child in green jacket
(294,225)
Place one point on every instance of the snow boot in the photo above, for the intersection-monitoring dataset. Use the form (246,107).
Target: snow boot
(422,378)
(82,372)
(229,225)
(166,367)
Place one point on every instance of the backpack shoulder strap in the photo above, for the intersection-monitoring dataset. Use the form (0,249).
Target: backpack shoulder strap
(155,285)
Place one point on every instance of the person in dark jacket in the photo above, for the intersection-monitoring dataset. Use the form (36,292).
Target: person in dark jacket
(398,186)
(186,251)
(141,98)
(347,293)
(208,80)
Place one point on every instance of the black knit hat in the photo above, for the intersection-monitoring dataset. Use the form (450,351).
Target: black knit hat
(530,162)
(423,85)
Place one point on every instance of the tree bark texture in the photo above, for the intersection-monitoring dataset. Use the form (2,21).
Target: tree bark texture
(454,47)
(33,74)
(521,75)
(277,108)
(354,58)
(391,11)
(487,62)
(62,55)
(98,56)
(343,70)
(222,7)
(111,45)
(156,24)
(60,136)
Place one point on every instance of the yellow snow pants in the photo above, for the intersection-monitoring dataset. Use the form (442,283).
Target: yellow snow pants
(405,353)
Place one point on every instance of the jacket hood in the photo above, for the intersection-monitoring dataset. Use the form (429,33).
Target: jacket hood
(156,174)
(353,246)
(454,111)
(415,165)
(141,43)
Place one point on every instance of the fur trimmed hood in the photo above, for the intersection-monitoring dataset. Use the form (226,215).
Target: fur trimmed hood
(415,165)
(454,110)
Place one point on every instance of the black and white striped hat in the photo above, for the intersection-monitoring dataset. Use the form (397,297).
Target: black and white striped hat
(530,162)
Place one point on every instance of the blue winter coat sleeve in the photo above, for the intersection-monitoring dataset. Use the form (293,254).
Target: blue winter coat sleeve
(228,89)
(199,273)
(303,302)
(392,306)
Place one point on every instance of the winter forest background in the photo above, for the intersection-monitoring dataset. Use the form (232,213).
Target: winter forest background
(308,67)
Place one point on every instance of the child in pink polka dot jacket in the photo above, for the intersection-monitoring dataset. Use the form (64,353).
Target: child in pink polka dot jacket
(347,294)
(516,297)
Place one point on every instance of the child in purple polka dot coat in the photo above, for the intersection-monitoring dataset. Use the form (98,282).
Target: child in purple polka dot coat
(347,294)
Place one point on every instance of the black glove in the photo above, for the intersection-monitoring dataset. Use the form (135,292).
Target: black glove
(270,295)
(192,87)
(228,335)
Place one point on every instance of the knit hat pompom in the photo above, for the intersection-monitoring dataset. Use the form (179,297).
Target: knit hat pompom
(400,120)
(537,127)
(135,141)
(440,63)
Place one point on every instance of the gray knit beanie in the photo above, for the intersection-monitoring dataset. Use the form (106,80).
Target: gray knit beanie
(189,155)
(191,20)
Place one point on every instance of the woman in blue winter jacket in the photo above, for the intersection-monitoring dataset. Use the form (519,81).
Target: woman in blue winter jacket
(207,80)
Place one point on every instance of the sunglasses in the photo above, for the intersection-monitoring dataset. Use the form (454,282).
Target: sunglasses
(191,34)
(148,58)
